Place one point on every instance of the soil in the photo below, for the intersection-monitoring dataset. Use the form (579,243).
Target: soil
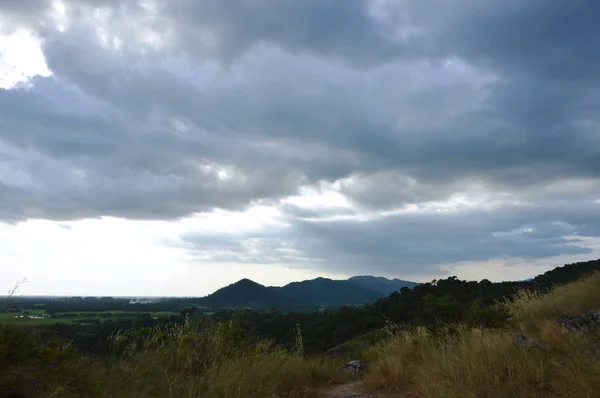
(348,390)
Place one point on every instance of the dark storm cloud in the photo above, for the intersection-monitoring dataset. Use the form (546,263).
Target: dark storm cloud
(164,109)
(549,39)
(328,27)
(414,242)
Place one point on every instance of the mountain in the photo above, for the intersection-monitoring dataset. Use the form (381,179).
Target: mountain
(244,293)
(310,293)
(380,284)
(323,291)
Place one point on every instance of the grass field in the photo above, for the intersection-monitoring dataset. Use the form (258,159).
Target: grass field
(70,317)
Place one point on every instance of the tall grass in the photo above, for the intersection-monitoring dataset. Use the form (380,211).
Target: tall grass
(475,362)
(530,310)
(218,361)
(7,301)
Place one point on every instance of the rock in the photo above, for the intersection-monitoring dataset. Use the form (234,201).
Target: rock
(526,342)
(595,349)
(582,323)
(354,366)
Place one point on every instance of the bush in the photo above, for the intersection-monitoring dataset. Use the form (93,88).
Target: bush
(30,367)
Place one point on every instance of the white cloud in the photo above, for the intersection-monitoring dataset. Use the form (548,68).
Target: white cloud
(21,58)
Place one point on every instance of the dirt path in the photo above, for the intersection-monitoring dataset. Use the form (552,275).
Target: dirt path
(348,390)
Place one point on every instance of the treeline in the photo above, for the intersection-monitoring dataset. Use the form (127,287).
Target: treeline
(443,301)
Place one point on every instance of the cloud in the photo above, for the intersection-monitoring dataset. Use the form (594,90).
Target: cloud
(441,133)
(414,240)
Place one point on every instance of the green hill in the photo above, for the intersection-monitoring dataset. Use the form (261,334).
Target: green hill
(245,294)
(310,293)
(380,284)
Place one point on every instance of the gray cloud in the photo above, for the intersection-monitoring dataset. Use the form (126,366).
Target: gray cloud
(419,242)
(159,112)
(413,242)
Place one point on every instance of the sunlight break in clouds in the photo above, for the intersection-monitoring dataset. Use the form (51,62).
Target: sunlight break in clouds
(21,58)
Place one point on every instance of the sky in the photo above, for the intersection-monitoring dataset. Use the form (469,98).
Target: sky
(160,147)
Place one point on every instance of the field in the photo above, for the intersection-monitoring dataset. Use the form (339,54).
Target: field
(39,317)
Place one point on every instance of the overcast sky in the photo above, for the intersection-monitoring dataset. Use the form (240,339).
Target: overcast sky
(170,147)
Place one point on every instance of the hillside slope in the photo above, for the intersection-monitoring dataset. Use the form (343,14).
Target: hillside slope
(310,293)
(380,284)
(245,293)
(535,355)
(329,292)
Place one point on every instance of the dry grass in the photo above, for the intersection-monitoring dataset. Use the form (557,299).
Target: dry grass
(529,310)
(181,361)
(215,363)
(486,363)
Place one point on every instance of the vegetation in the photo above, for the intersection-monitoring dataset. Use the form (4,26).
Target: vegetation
(40,317)
(447,300)
(447,338)
(476,362)
(7,304)
(176,361)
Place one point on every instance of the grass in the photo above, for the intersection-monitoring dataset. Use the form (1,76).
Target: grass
(218,362)
(531,312)
(10,316)
(474,362)
(356,348)
(74,316)
(45,321)
(178,361)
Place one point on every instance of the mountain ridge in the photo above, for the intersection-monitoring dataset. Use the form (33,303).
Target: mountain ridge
(382,284)
(316,292)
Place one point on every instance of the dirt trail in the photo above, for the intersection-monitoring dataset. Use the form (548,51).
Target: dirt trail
(348,390)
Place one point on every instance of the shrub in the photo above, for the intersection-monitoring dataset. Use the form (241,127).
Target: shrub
(30,367)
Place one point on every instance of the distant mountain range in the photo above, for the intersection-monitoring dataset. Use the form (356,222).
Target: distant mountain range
(381,284)
(357,290)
